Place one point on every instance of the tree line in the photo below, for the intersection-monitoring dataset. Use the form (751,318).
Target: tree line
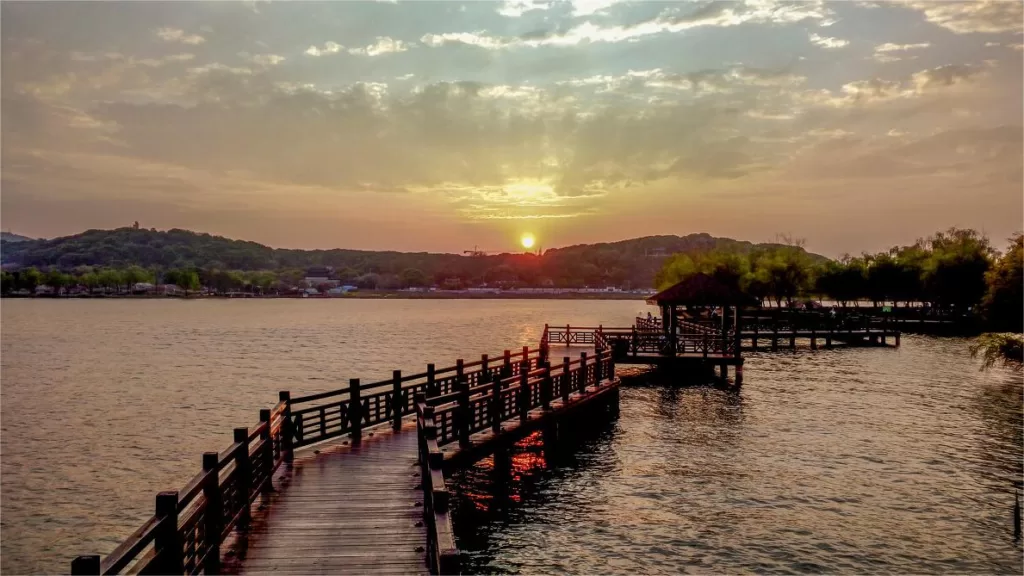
(956,270)
(627,264)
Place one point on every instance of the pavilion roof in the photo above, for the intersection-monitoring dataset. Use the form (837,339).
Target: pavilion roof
(700,290)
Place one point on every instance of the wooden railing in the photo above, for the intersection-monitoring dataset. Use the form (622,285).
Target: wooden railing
(471,409)
(349,410)
(442,554)
(580,335)
(185,532)
(648,324)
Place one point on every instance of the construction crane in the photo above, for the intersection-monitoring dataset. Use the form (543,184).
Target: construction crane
(475,252)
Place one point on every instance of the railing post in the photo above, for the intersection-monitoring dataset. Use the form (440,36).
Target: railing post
(167,542)
(506,366)
(355,409)
(526,357)
(287,433)
(524,390)
(496,405)
(567,332)
(243,473)
(460,370)
(545,386)
(465,420)
(266,452)
(485,369)
(544,344)
(89,564)
(214,513)
(397,400)
(566,381)
(597,367)
(431,381)
(583,372)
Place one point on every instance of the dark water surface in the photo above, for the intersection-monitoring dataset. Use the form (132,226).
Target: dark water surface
(862,460)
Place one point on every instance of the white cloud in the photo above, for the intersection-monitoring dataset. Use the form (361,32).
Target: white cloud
(985,16)
(890,47)
(178,35)
(828,42)
(516,8)
(480,39)
(328,48)
(588,7)
(383,45)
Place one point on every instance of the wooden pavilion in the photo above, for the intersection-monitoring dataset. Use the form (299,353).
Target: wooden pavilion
(698,304)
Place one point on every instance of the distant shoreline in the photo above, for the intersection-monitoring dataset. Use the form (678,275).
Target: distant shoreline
(360,295)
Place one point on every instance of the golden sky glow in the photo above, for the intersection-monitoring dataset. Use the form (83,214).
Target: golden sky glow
(442,126)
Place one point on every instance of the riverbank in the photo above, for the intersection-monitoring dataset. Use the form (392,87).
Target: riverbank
(364,295)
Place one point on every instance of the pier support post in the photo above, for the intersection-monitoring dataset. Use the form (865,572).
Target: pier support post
(724,372)
(583,373)
(506,364)
(398,400)
(243,474)
(739,374)
(431,381)
(757,322)
(89,564)
(545,386)
(524,390)
(355,410)
(167,543)
(287,433)
(497,403)
(266,457)
(814,338)
(775,334)
(897,335)
(566,382)
(214,512)
(465,419)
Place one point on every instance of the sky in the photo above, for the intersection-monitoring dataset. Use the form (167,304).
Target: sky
(449,126)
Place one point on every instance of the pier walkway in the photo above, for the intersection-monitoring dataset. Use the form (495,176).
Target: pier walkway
(352,481)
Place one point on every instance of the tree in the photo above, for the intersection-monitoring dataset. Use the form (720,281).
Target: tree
(6,282)
(29,279)
(1003,304)
(1006,348)
(187,280)
(57,280)
(413,278)
(954,275)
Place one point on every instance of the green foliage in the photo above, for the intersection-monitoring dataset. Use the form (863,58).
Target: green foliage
(999,347)
(780,272)
(1003,304)
(629,263)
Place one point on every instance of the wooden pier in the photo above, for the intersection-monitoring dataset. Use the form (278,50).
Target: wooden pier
(371,496)
(353,480)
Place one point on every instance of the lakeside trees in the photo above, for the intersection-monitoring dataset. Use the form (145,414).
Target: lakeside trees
(953,270)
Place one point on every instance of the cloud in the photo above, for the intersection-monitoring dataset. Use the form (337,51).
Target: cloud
(328,48)
(828,42)
(383,45)
(890,47)
(479,39)
(516,8)
(981,16)
(673,20)
(178,35)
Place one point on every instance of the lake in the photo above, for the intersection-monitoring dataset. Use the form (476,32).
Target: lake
(859,460)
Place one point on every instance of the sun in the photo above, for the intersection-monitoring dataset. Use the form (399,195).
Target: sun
(527,241)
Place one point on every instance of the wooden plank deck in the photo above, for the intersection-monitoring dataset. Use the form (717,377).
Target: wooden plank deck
(341,509)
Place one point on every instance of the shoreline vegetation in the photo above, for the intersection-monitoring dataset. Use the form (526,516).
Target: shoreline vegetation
(955,273)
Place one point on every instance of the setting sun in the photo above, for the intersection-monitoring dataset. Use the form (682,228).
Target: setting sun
(527,241)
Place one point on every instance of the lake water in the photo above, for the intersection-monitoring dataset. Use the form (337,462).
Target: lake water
(860,460)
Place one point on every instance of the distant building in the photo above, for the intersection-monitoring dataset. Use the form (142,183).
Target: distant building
(317,275)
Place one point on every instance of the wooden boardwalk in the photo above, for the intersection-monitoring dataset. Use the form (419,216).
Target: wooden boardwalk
(341,509)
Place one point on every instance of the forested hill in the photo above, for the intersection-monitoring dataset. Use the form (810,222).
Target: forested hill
(628,263)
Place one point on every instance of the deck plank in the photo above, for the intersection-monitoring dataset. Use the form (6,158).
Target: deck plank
(340,509)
